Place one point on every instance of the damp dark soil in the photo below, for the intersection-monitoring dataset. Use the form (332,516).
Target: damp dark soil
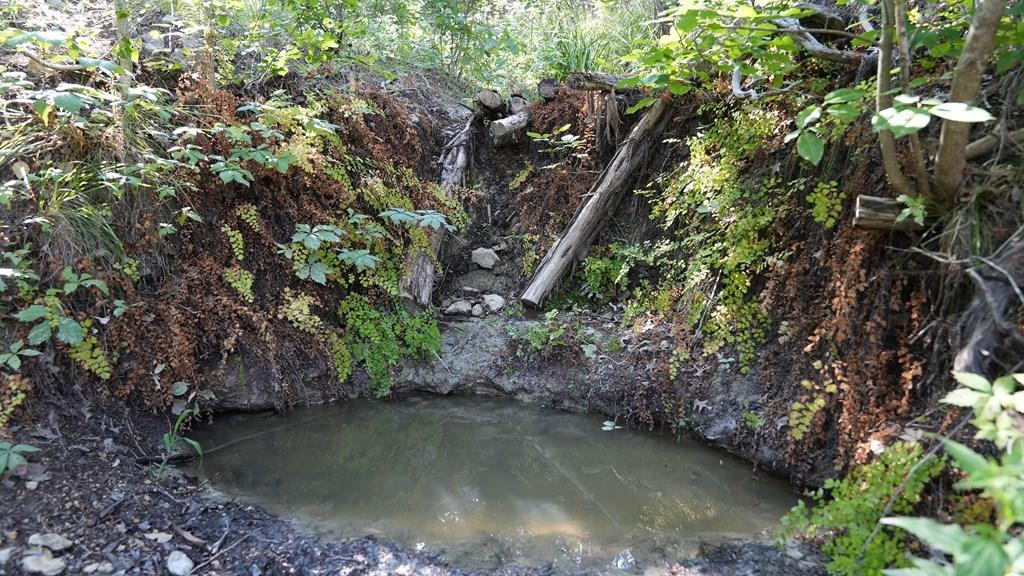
(88,486)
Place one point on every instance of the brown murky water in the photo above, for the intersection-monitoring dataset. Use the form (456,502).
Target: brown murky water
(488,482)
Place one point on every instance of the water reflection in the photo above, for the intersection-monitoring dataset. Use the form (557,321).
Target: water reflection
(487,482)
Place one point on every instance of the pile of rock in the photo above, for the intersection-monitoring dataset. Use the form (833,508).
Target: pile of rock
(474,304)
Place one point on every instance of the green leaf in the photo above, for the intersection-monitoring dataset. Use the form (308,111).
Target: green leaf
(808,116)
(968,460)
(179,388)
(981,556)
(964,397)
(844,95)
(40,333)
(32,313)
(67,101)
(900,121)
(643,103)
(24,448)
(810,147)
(947,538)
(961,112)
(973,381)
(13,361)
(69,331)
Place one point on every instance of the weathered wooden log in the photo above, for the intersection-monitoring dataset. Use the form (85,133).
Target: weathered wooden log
(517,104)
(600,202)
(510,130)
(596,81)
(875,213)
(986,144)
(417,284)
(548,88)
(490,103)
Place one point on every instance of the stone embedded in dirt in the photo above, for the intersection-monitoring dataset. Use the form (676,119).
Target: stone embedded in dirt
(493,302)
(5,555)
(470,290)
(179,564)
(477,311)
(459,308)
(42,564)
(52,541)
(485,258)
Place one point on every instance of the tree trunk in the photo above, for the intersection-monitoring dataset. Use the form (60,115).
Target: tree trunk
(600,203)
(950,160)
(883,100)
(417,286)
(509,130)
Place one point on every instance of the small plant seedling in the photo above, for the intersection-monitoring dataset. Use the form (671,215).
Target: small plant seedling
(11,456)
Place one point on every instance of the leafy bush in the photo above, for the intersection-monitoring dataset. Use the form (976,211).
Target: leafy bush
(981,549)
(845,512)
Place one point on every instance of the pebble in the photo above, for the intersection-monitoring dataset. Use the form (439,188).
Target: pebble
(493,302)
(5,555)
(52,541)
(459,308)
(42,564)
(178,564)
(485,258)
(101,567)
(477,311)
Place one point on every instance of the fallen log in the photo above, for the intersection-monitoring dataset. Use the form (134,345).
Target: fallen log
(596,81)
(490,103)
(600,202)
(875,213)
(986,144)
(510,130)
(417,284)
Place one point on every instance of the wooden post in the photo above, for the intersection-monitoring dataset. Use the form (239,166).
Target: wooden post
(875,213)
(600,203)
(417,285)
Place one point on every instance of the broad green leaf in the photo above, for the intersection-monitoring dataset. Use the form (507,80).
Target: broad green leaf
(961,112)
(13,361)
(947,538)
(901,122)
(69,331)
(844,95)
(968,460)
(179,388)
(963,397)
(973,381)
(67,101)
(643,103)
(808,116)
(810,147)
(32,313)
(981,556)
(40,333)
(24,448)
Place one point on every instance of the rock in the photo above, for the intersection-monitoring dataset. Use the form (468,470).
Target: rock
(459,308)
(42,564)
(5,555)
(54,542)
(179,564)
(485,258)
(470,290)
(477,311)
(493,302)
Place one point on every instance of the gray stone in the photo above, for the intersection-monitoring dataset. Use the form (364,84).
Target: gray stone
(485,258)
(477,311)
(42,564)
(493,302)
(54,542)
(5,555)
(179,564)
(459,308)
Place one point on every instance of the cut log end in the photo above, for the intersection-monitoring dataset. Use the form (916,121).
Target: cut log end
(875,213)
(548,88)
(490,102)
